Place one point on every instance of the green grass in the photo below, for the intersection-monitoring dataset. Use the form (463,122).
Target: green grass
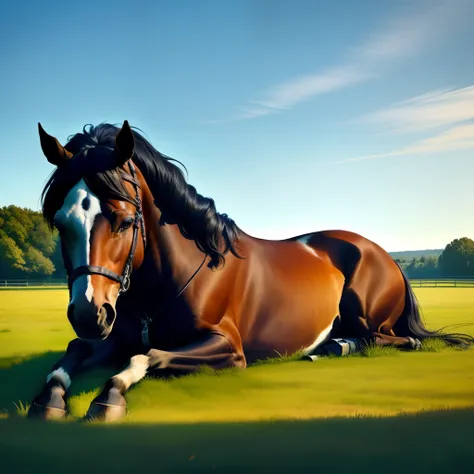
(36,320)
(379,381)
(280,414)
(33,288)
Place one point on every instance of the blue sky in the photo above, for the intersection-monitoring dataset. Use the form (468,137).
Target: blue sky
(294,116)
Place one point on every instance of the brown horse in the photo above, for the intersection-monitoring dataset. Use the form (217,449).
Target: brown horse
(161,282)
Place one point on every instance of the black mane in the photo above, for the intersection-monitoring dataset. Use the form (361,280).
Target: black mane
(179,202)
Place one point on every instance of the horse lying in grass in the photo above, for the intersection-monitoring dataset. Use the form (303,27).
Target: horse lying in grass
(161,283)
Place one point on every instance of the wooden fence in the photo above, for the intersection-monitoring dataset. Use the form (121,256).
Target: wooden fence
(12,283)
(453,282)
(449,282)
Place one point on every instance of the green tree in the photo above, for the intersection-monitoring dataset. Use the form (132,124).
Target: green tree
(11,256)
(15,229)
(457,258)
(28,248)
(37,264)
(41,236)
(57,259)
(425,267)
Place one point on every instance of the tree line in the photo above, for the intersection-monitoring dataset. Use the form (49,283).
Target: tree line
(30,250)
(28,247)
(456,260)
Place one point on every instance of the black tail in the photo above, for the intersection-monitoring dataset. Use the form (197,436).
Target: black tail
(411,324)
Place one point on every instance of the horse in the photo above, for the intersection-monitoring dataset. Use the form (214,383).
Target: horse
(161,283)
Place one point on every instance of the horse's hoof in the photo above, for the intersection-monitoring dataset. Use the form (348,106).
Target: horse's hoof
(46,413)
(102,412)
(50,404)
(108,406)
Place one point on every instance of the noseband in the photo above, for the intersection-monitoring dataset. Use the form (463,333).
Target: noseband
(138,224)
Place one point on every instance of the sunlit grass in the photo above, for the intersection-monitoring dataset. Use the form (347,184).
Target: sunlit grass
(33,321)
(21,408)
(371,350)
(433,345)
(379,381)
(284,414)
(279,359)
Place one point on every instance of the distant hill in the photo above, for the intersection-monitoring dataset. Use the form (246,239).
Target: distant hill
(410,254)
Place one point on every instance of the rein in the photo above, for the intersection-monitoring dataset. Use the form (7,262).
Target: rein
(147,320)
(180,292)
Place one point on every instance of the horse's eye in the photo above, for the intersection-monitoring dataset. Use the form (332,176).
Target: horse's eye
(125,224)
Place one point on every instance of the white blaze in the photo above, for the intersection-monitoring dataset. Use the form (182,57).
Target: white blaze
(77,217)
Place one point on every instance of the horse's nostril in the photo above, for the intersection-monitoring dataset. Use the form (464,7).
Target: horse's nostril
(102,314)
(107,314)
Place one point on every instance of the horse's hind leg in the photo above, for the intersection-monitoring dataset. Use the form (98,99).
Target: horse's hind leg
(375,328)
(406,343)
(353,322)
(374,297)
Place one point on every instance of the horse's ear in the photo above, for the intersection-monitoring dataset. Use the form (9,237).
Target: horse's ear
(124,144)
(55,153)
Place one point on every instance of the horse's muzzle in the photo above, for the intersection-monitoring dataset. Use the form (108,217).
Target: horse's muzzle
(92,322)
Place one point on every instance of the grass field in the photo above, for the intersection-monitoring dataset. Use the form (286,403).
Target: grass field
(409,411)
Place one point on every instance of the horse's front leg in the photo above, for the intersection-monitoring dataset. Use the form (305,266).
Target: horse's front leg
(51,402)
(215,351)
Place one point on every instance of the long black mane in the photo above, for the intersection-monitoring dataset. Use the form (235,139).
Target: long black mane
(180,204)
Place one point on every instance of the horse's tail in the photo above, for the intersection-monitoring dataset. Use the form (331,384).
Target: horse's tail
(411,324)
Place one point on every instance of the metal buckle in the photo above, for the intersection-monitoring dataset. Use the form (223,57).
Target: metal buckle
(138,218)
(125,281)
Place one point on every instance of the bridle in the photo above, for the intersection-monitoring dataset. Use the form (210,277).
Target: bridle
(124,278)
(138,224)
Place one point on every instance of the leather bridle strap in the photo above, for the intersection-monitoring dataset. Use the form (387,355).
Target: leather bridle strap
(138,224)
(92,269)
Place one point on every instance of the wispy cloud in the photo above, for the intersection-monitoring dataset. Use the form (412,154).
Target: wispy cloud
(408,34)
(457,138)
(401,38)
(300,89)
(449,114)
(431,110)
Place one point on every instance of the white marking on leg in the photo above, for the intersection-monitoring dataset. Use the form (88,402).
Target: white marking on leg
(61,375)
(322,338)
(135,372)
(304,241)
(77,215)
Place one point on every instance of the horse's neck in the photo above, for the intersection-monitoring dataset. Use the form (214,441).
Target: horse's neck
(170,259)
